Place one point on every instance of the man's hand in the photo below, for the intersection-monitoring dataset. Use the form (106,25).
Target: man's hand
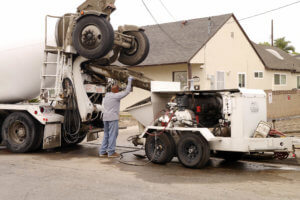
(130,78)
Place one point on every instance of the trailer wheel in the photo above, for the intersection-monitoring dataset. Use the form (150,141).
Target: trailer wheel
(93,37)
(193,151)
(160,150)
(19,132)
(139,50)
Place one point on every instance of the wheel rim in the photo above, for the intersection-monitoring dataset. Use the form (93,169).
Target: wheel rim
(90,37)
(191,151)
(157,149)
(17,132)
(133,49)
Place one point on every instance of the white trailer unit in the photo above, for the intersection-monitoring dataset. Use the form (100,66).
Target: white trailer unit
(195,124)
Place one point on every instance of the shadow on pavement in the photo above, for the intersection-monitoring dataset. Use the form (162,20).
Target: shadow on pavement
(217,170)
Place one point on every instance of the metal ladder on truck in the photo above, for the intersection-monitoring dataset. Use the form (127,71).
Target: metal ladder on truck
(51,93)
(62,60)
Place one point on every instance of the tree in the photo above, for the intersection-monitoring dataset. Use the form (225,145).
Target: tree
(265,43)
(284,45)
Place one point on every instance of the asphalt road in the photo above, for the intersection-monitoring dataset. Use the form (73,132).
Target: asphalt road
(78,173)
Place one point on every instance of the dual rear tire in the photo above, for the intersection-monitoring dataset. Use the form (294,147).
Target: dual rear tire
(93,38)
(139,50)
(21,133)
(192,150)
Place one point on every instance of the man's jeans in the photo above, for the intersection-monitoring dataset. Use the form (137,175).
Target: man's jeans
(111,131)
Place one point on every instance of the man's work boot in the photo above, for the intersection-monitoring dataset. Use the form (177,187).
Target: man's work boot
(114,155)
(103,155)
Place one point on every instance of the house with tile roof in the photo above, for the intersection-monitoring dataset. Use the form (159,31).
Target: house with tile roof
(215,53)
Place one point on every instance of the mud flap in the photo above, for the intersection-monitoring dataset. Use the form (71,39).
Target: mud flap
(52,136)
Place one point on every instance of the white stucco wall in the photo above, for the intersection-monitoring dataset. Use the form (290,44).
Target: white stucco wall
(230,51)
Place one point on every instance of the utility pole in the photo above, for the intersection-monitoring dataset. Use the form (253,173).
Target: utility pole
(272,33)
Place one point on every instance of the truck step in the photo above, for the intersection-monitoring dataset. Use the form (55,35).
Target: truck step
(52,49)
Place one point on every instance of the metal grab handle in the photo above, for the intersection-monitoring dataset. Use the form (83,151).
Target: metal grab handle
(46,27)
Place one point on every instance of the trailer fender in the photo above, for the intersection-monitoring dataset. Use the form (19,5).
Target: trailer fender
(208,135)
(41,112)
(205,132)
(91,12)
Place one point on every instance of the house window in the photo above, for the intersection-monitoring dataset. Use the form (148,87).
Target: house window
(298,82)
(220,80)
(180,77)
(258,75)
(242,80)
(279,79)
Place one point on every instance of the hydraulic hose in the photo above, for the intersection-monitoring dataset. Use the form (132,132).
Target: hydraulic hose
(72,119)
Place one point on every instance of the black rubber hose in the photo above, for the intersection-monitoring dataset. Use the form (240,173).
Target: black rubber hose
(72,122)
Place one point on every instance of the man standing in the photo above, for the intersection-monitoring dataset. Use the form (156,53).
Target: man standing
(111,111)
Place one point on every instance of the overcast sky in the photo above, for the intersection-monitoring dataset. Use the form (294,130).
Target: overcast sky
(26,25)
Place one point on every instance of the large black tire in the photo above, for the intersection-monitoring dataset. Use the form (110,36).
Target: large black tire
(39,138)
(20,133)
(193,151)
(93,37)
(160,151)
(1,122)
(139,52)
(230,156)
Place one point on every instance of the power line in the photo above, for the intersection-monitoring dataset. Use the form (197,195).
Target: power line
(161,28)
(242,19)
(168,11)
(266,12)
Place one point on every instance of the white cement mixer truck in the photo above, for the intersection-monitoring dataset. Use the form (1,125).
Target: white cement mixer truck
(69,79)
